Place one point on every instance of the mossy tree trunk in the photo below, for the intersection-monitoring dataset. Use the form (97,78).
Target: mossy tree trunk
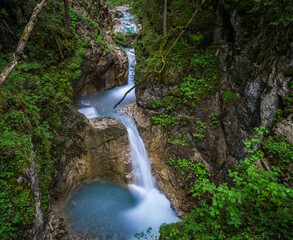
(67,18)
(165,17)
(22,41)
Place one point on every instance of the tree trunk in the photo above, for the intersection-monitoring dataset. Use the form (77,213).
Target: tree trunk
(67,18)
(22,41)
(165,17)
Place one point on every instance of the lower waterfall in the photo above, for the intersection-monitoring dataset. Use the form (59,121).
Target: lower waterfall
(105,210)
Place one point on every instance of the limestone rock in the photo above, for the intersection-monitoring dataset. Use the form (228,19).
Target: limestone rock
(105,65)
(105,154)
(102,71)
(285,129)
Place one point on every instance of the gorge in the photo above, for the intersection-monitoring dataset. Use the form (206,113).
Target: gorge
(145,207)
(205,136)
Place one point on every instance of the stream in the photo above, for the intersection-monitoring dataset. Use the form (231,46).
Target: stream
(108,210)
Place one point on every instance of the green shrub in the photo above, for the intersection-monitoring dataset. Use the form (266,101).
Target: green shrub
(255,206)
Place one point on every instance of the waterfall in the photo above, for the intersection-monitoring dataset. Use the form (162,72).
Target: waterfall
(152,208)
(140,161)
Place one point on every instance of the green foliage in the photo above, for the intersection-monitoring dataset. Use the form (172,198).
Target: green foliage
(194,71)
(164,120)
(117,2)
(3,12)
(274,13)
(179,140)
(146,235)
(280,152)
(214,120)
(189,170)
(200,129)
(120,38)
(254,142)
(33,102)
(193,88)
(16,207)
(255,206)
(229,96)
(280,149)
(74,18)
(157,104)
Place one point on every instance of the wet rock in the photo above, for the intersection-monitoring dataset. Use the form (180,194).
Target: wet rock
(102,71)
(159,151)
(252,94)
(271,99)
(119,14)
(105,154)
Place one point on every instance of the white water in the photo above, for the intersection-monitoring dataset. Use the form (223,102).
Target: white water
(152,208)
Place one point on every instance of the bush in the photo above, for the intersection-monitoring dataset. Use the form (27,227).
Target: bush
(255,206)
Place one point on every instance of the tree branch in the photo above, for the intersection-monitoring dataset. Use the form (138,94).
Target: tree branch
(22,41)
(163,56)
(128,91)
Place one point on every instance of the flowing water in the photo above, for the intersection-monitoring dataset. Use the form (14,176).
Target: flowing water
(106,210)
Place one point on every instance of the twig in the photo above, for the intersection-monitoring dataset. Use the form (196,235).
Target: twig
(59,47)
(6,25)
(128,91)
(181,33)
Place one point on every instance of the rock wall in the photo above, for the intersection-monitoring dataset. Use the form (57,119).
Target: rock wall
(105,65)
(104,154)
(256,96)
(96,149)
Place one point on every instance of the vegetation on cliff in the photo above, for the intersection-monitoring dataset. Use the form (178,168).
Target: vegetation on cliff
(254,203)
(177,48)
(33,101)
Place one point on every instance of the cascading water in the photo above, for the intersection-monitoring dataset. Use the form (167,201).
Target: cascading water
(103,210)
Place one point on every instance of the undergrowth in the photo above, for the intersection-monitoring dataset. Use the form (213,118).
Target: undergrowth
(33,101)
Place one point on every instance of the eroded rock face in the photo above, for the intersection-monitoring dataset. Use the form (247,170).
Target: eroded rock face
(159,151)
(102,71)
(105,65)
(255,99)
(104,154)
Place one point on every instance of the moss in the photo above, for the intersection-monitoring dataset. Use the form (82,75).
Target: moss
(33,100)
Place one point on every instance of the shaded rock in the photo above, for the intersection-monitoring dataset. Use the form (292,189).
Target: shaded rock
(119,14)
(105,65)
(285,129)
(252,94)
(104,154)
(102,71)
(271,99)
(235,22)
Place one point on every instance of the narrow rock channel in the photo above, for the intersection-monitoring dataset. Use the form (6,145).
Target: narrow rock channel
(107,210)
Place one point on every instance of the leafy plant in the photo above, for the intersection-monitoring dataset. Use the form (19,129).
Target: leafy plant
(214,120)
(200,129)
(229,96)
(164,120)
(255,206)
